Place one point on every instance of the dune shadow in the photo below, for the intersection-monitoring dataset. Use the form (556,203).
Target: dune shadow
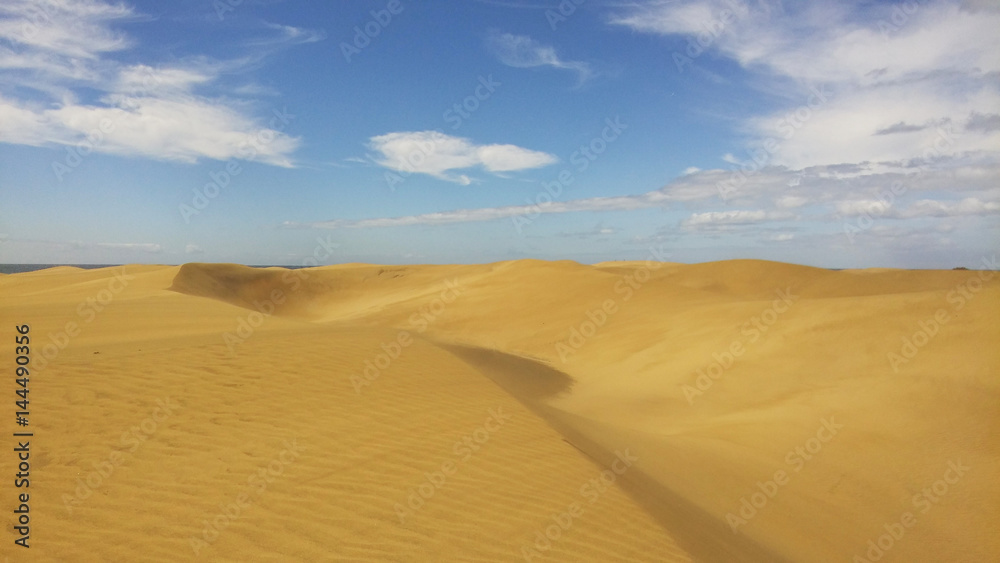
(703,535)
(526,379)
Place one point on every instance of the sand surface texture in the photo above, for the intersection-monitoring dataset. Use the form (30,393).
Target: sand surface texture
(534,411)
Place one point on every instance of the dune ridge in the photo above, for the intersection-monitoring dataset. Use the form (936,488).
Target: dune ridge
(709,375)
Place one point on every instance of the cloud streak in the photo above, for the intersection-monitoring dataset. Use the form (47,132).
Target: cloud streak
(968,207)
(726,220)
(829,189)
(152,248)
(521,51)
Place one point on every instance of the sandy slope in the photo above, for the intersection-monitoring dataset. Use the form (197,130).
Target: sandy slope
(495,397)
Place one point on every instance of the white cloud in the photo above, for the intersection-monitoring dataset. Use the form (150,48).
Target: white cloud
(967,207)
(791,201)
(145,111)
(193,249)
(683,18)
(892,85)
(964,208)
(820,42)
(182,127)
(504,158)
(140,246)
(437,154)
(144,80)
(520,51)
(598,231)
(725,220)
(71,28)
(859,207)
(735,217)
(290,35)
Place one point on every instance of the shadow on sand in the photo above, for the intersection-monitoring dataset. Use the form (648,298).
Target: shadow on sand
(705,536)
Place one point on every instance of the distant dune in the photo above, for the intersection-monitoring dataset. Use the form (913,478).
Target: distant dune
(538,411)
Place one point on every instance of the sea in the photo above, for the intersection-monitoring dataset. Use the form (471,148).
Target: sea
(21,268)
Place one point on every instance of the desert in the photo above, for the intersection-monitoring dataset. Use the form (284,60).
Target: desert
(733,411)
(708,281)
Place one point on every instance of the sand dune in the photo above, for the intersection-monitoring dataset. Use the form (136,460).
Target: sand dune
(736,411)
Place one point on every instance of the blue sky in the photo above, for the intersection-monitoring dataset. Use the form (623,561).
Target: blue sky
(833,134)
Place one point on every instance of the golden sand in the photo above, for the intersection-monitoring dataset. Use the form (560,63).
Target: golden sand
(535,411)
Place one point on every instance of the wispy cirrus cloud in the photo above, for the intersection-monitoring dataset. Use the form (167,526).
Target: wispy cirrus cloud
(79,28)
(152,248)
(726,220)
(55,55)
(288,35)
(145,247)
(521,51)
(439,155)
(966,207)
(619,203)
(889,81)
(775,190)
